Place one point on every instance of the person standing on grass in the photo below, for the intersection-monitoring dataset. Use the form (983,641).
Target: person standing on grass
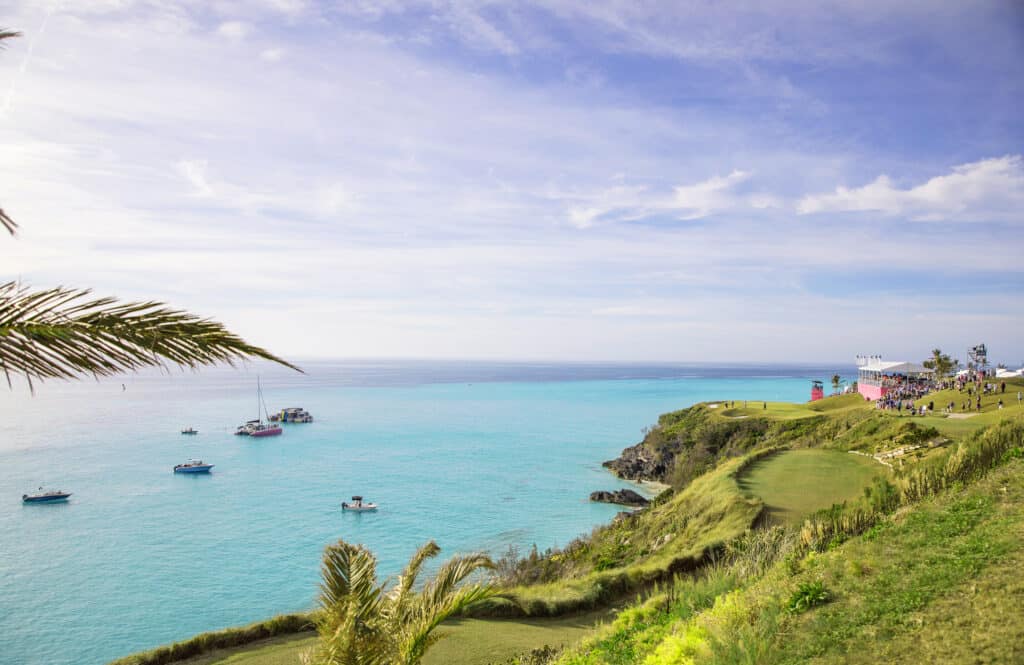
(1019,397)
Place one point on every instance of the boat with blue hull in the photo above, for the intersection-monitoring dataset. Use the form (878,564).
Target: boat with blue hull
(193,466)
(45,497)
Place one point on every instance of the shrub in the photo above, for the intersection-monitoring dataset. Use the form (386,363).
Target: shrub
(807,595)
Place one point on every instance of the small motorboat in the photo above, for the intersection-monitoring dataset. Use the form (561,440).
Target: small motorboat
(45,497)
(189,430)
(357,505)
(193,466)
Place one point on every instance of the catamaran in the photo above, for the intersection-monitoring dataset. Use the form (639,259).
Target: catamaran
(258,427)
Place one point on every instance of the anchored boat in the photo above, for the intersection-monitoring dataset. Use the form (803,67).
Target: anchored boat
(292,414)
(45,497)
(358,506)
(258,427)
(193,466)
(189,430)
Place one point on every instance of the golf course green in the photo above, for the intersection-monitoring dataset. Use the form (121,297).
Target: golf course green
(794,483)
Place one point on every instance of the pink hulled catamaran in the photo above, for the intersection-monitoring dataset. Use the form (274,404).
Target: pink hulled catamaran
(258,427)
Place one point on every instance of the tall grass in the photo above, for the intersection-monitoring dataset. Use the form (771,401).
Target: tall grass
(968,460)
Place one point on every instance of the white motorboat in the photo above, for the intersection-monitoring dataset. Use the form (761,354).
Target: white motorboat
(358,505)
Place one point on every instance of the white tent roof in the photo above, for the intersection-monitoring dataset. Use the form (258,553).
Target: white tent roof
(894,367)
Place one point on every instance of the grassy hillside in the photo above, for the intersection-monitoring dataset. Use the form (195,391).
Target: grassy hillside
(867,582)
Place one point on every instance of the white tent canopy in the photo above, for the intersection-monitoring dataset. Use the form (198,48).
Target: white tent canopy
(894,367)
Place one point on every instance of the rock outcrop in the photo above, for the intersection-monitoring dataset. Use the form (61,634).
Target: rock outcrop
(622,497)
(639,463)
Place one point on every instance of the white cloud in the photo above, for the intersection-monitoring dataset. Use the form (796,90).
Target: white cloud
(478,32)
(194,171)
(987,190)
(427,205)
(272,54)
(624,203)
(712,195)
(236,31)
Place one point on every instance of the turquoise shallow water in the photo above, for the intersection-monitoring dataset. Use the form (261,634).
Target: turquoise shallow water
(476,456)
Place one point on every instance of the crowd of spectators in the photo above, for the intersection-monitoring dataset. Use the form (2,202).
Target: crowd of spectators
(903,392)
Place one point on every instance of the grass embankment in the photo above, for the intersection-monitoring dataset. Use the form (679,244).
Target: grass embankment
(890,594)
(466,641)
(677,534)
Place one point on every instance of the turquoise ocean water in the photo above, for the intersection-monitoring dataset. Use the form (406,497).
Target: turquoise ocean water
(477,456)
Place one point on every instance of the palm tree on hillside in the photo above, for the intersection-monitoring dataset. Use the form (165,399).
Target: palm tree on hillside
(941,363)
(63,333)
(836,380)
(361,623)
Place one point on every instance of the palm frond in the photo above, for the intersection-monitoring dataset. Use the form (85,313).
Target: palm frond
(7,222)
(407,579)
(440,599)
(62,334)
(7,34)
(349,622)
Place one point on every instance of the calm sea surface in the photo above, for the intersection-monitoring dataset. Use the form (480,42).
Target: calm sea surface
(474,455)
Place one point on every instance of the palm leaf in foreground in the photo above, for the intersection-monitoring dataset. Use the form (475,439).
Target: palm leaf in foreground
(7,222)
(62,334)
(362,624)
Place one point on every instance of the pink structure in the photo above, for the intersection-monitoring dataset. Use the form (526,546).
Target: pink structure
(817,391)
(875,377)
(871,392)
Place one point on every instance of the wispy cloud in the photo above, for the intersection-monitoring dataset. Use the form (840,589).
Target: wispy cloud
(234,30)
(431,164)
(986,190)
(623,203)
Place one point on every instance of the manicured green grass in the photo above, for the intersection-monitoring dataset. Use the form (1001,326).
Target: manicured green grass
(794,483)
(465,642)
(480,641)
(283,650)
(790,410)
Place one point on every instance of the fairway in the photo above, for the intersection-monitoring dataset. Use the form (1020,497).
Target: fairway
(466,642)
(797,482)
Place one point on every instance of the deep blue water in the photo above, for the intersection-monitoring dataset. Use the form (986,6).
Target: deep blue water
(473,455)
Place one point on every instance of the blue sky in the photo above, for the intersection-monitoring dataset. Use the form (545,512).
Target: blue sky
(774,181)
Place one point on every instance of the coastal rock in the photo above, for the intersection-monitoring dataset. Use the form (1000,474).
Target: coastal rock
(622,497)
(639,463)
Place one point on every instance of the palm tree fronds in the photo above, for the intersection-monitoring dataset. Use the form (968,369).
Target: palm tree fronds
(62,334)
(8,223)
(7,34)
(361,625)
(408,577)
